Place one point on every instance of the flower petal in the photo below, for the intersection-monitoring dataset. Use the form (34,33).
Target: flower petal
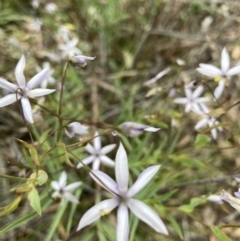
(7,85)
(19,72)
(122,223)
(198,92)
(188,92)
(38,78)
(72,186)
(97,211)
(201,123)
(8,99)
(147,215)
(89,148)
(214,133)
(225,60)
(220,88)
(63,179)
(69,133)
(97,142)
(121,169)
(55,185)
(234,70)
(151,129)
(132,128)
(181,101)
(78,128)
(215,198)
(209,70)
(188,107)
(107,161)
(86,161)
(105,181)
(56,194)
(39,92)
(143,179)
(107,149)
(70,197)
(27,109)
(96,163)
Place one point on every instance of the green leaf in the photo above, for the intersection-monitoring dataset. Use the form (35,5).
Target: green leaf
(41,177)
(10,207)
(219,234)
(62,146)
(193,203)
(189,162)
(175,226)
(22,220)
(32,150)
(72,211)
(34,200)
(55,222)
(201,140)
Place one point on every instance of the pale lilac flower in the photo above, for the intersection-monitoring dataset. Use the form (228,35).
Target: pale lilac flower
(123,198)
(64,33)
(237,179)
(81,60)
(64,192)
(211,121)
(69,49)
(219,89)
(192,99)
(234,202)
(135,129)
(76,128)
(34,25)
(23,91)
(237,194)
(215,198)
(35,4)
(180,62)
(51,7)
(49,78)
(225,71)
(97,154)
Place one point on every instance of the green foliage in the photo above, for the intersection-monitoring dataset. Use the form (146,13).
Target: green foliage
(34,200)
(194,202)
(220,234)
(10,207)
(201,140)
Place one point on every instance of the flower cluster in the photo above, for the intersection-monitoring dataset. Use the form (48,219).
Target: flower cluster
(195,103)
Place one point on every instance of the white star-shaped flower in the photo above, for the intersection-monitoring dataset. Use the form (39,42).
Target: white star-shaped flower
(211,121)
(23,91)
(225,71)
(123,198)
(192,99)
(97,154)
(64,192)
(69,49)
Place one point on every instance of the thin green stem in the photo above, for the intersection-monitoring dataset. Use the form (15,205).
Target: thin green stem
(12,178)
(60,101)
